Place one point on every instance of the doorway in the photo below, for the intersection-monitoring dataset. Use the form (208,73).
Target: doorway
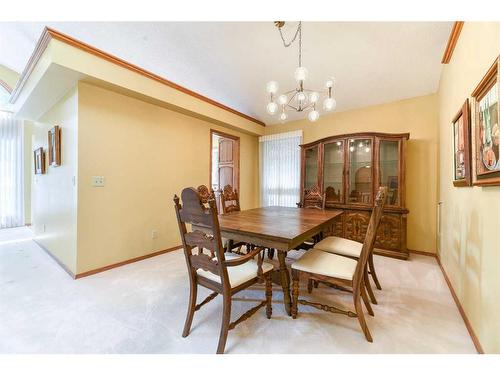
(224,160)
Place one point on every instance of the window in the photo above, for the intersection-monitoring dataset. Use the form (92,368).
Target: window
(11,171)
(280,169)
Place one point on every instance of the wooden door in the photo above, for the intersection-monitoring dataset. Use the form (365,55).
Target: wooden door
(228,161)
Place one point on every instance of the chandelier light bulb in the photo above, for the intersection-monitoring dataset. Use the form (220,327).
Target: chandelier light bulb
(272,107)
(313,97)
(367,149)
(282,99)
(272,87)
(329,104)
(351,148)
(313,115)
(283,116)
(301,97)
(300,74)
(329,82)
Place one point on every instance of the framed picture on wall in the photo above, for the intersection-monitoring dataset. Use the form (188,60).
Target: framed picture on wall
(39,159)
(462,147)
(55,146)
(486,129)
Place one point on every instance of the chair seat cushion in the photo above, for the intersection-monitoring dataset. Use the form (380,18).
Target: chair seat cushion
(326,264)
(237,274)
(341,246)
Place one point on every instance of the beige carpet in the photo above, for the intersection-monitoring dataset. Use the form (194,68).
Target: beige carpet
(140,308)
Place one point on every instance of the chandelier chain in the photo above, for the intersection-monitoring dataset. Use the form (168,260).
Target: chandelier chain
(298,33)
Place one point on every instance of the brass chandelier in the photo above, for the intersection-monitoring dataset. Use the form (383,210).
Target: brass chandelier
(299,99)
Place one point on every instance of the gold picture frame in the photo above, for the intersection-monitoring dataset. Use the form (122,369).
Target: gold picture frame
(487,128)
(39,159)
(462,147)
(54,138)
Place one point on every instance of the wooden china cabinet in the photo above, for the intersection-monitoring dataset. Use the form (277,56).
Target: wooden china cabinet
(348,169)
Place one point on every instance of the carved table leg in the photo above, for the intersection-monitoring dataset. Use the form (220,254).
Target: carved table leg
(285,281)
(295,292)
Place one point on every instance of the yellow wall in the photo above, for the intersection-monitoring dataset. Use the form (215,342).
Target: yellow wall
(469,241)
(54,193)
(147,154)
(419,117)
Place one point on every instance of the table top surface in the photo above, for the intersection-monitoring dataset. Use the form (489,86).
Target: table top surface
(280,223)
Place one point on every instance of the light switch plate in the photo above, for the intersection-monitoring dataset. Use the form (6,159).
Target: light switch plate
(98,181)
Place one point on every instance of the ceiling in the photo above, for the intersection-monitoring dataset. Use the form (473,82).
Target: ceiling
(372,62)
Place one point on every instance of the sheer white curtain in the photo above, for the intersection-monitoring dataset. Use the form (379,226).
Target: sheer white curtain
(280,168)
(11,171)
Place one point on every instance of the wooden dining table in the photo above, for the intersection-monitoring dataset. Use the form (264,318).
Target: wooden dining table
(280,228)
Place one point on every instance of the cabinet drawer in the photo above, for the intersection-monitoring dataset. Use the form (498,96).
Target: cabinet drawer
(389,232)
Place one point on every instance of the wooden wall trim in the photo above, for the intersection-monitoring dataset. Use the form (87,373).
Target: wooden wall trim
(105,268)
(472,334)
(452,41)
(125,262)
(461,310)
(49,33)
(425,253)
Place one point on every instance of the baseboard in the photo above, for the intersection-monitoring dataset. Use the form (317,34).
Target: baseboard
(472,334)
(125,262)
(62,265)
(105,268)
(426,253)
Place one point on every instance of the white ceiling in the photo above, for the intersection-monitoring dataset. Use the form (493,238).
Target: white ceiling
(372,62)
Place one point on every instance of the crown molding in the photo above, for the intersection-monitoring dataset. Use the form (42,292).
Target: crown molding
(6,86)
(452,41)
(49,34)
(40,47)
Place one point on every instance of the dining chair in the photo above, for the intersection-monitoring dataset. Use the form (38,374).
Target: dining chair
(229,199)
(351,249)
(312,199)
(230,202)
(210,267)
(339,270)
(205,194)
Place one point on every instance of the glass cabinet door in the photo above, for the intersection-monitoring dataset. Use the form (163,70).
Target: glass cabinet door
(389,169)
(360,171)
(333,171)
(311,175)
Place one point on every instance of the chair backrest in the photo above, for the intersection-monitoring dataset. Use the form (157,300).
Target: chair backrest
(205,194)
(229,200)
(313,199)
(202,249)
(371,233)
